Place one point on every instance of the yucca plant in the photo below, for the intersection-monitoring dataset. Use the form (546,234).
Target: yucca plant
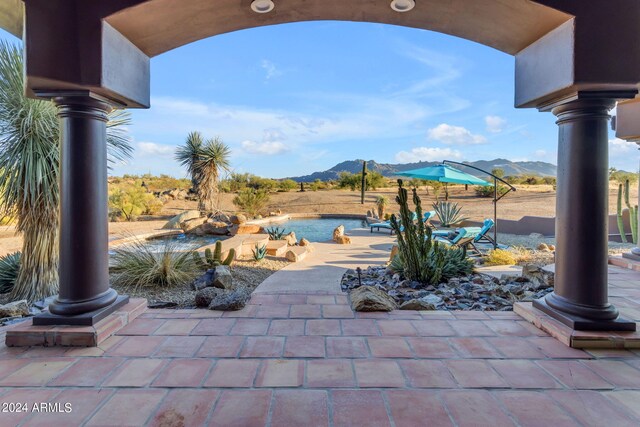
(381,203)
(449,213)
(9,266)
(275,233)
(259,252)
(137,265)
(420,258)
(29,191)
(204,160)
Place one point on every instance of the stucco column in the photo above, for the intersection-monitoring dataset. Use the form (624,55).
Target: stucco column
(580,297)
(85,295)
(636,250)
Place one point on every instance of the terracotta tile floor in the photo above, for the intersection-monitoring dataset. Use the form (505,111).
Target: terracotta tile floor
(291,360)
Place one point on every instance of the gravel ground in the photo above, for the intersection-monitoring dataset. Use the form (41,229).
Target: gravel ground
(532,242)
(246,273)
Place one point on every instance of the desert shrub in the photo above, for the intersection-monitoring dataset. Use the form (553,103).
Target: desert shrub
(530,180)
(375,180)
(549,180)
(9,265)
(621,177)
(130,201)
(318,185)
(499,172)
(500,257)
(420,258)
(487,191)
(437,188)
(512,179)
(449,213)
(349,180)
(287,185)
(251,201)
(136,265)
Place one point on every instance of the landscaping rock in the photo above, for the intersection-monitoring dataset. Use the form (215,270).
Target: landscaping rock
(191,225)
(244,229)
(238,219)
(205,296)
(221,217)
(343,240)
(162,304)
(15,309)
(296,254)
(204,281)
(222,277)
(180,218)
(337,232)
(291,239)
(540,277)
(417,304)
(304,242)
(542,247)
(369,298)
(216,228)
(230,300)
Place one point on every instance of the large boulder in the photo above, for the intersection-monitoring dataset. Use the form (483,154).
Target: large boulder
(338,232)
(238,219)
(216,228)
(230,300)
(244,229)
(370,298)
(206,295)
(204,281)
(180,218)
(540,277)
(190,226)
(222,277)
(15,309)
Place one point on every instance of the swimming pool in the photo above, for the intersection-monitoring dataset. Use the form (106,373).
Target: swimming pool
(312,229)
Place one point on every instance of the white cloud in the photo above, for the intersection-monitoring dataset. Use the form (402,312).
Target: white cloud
(620,146)
(270,69)
(427,154)
(454,135)
(540,153)
(495,124)
(153,149)
(267,148)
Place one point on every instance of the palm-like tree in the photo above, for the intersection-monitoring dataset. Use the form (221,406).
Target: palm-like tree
(29,173)
(204,160)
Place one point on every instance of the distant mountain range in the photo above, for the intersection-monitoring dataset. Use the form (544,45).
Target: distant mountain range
(510,168)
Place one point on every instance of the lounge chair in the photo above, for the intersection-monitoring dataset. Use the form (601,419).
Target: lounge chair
(426,218)
(464,237)
(386,225)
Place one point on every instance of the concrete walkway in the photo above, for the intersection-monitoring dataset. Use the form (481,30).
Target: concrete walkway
(321,271)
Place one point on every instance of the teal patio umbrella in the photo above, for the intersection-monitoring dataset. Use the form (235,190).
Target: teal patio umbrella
(444,173)
(447,174)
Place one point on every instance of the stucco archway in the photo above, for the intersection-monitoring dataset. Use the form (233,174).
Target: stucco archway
(569,60)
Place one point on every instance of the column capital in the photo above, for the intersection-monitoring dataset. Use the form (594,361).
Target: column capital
(587,99)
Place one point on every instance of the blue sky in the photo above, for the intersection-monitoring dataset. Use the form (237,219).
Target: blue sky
(297,98)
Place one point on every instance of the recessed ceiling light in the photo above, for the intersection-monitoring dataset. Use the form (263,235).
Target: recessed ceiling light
(403,5)
(262,6)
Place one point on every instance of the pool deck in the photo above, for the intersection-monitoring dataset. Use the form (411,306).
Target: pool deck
(321,271)
(294,357)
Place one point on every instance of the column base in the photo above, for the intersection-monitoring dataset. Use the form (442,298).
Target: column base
(583,324)
(84,319)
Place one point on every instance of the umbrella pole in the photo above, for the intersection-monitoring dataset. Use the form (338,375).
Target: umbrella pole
(495,213)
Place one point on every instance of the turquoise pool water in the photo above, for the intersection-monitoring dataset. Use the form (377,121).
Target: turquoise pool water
(313,229)
(317,229)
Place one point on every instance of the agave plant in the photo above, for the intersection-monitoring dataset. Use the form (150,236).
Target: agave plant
(259,252)
(9,266)
(449,213)
(381,203)
(275,233)
(204,160)
(29,155)
(137,265)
